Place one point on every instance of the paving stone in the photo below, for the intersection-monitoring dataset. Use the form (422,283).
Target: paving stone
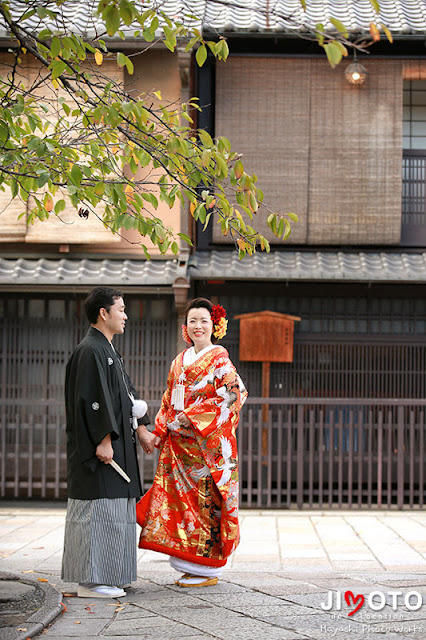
(247,599)
(152,627)
(70,626)
(312,600)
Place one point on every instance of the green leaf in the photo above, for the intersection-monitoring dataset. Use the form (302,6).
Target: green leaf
(112,19)
(319,29)
(126,13)
(375,5)
(146,252)
(340,27)
(334,54)
(58,67)
(76,175)
(124,61)
(60,206)
(121,59)
(201,55)
(185,238)
(42,179)
(293,216)
(14,187)
(342,47)
(223,49)
(287,229)
(4,133)
(55,47)
(205,138)
(45,34)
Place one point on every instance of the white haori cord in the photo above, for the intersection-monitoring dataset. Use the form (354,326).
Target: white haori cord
(184,566)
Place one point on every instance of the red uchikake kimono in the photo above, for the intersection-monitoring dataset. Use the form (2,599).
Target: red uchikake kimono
(191,511)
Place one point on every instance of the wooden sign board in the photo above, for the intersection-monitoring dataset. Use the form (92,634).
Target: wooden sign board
(266,336)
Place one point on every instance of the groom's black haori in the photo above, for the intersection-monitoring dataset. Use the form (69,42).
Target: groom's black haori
(98,403)
(100,528)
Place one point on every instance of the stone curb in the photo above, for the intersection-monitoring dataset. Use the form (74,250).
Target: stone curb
(38,621)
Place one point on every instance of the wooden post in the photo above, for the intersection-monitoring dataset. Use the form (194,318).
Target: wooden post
(266,385)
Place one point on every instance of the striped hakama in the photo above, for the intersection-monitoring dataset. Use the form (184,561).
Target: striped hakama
(100,541)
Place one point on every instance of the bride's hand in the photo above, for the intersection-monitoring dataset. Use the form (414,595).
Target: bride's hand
(183,419)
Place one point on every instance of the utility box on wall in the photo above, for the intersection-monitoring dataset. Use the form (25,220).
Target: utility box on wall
(266,336)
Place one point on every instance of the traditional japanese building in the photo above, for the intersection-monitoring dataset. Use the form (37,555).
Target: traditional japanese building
(346,424)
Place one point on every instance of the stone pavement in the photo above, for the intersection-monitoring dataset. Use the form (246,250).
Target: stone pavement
(277,586)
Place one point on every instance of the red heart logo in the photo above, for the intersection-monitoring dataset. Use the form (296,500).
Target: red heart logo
(348,596)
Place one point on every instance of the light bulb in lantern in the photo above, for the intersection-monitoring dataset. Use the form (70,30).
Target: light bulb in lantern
(355,73)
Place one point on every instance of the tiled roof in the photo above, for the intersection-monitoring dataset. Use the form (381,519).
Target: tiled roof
(87,272)
(326,266)
(401,16)
(330,266)
(251,16)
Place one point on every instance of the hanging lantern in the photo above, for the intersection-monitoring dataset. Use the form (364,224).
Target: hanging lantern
(355,73)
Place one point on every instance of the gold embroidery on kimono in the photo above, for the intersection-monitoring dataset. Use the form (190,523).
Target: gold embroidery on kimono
(191,510)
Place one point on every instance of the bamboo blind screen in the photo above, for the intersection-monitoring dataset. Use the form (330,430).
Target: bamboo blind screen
(329,151)
(262,106)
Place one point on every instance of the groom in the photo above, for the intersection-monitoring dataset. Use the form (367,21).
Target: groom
(102,422)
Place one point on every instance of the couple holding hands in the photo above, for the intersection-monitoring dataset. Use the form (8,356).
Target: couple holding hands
(191,511)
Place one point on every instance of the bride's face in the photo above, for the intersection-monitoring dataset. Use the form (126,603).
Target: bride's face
(200,327)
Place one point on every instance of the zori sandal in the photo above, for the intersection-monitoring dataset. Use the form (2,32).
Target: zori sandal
(196,581)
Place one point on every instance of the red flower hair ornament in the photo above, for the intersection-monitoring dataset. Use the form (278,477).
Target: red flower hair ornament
(220,324)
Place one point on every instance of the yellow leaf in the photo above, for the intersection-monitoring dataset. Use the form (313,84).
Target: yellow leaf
(42,580)
(241,244)
(98,57)
(388,33)
(48,205)
(130,193)
(55,84)
(192,208)
(374,32)
(77,622)
(28,571)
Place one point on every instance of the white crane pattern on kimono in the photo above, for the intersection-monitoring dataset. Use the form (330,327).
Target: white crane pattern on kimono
(226,467)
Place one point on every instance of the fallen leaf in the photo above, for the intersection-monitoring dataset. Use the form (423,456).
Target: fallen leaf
(64,608)
(22,629)
(37,547)
(42,580)
(68,595)
(28,571)
(77,622)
